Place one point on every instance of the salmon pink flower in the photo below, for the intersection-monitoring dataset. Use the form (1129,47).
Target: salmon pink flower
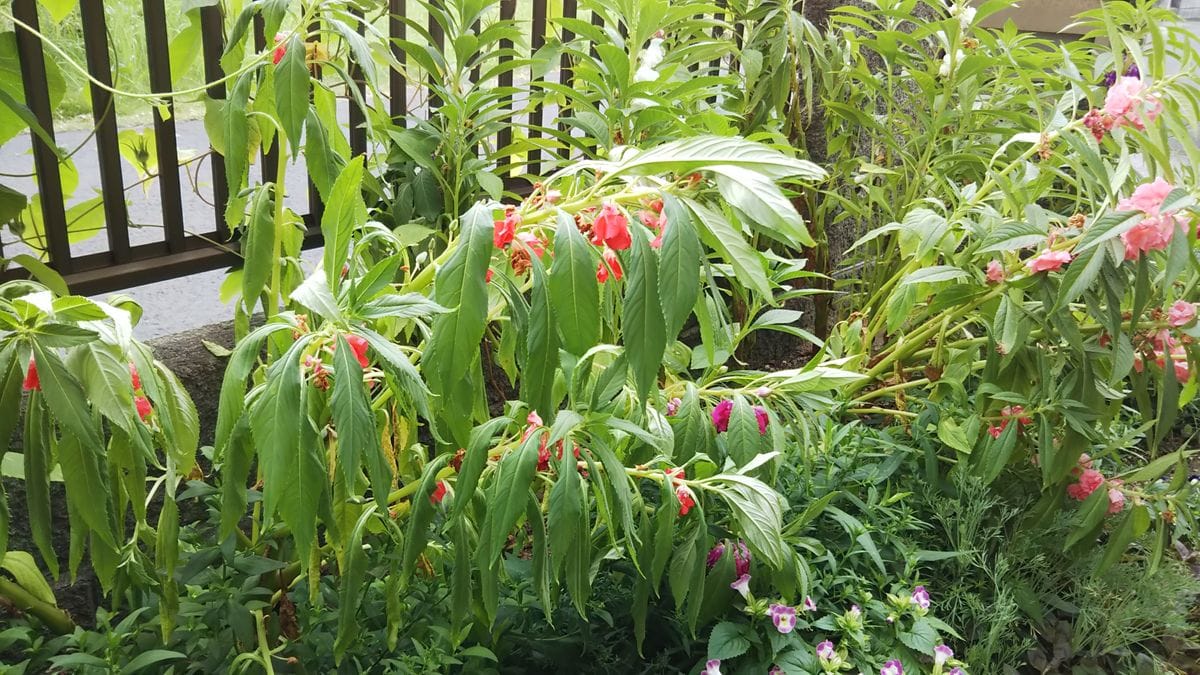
(920,597)
(1116,500)
(1128,104)
(893,667)
(143,407)
(784,617)
(505,229)
(720,415)
(1151,234)
(439,493)
(1181,314)
(1048,261)
(609,261)
(280,48)
(995,272)
(826,651)
(742,586)
(611,228)
(712,667)
(942,654)
(1089,480)
(686,500)
(32,381)
(1147,197)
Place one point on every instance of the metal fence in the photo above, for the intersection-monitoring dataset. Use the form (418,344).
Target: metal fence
(180,252)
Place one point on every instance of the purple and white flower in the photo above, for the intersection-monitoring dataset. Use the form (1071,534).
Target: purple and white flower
(712,667)
(741,559)
(826,651)
(809,605)
(920,597)
(784,617)
(893,667)
(742,586)
(942,654)
(957,671)
(714,555)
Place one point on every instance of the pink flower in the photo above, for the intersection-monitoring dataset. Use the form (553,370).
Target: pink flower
(742,586)
(1124,99)
(714,555)
(1048,261)
(144,409)
(1089,480)
(809,605)
(920,597)
(760,414)
(673,406)
(784,617)
(942,654)
(1178,362)
(529,240)
(826,651)
(611,228)
(1116,500)
(957,671)
(1151,234)
(1181,314)
(994,431)
(720,415)
(712,667)
(893,667)
(741,559)
(609,261)
(505,229)
(995,272)
(280,48)
(1018,412)
(1147,198)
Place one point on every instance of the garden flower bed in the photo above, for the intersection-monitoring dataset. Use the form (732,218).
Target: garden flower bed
(866,345)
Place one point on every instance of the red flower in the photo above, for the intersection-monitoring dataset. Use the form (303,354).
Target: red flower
(686,501)
(280,48)
(439,493)
(506,229)
(133,377)
(32,382)
(1089,480)
(143,407)
(609,261)
(611,228)
(488,277)
(358,345)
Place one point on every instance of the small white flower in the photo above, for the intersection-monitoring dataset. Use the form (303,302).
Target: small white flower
(651,58)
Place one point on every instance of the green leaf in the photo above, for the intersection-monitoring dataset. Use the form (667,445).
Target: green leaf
(152,657)
(59,9)
(106,381)
(760,202)
(757,510)
(401,306)
(25,572)
(728,241)
(680,259)
(86,486)
(509,493)
(1091,514)
(461,286)
(727,640)
(701,152)
(541,347)
(357,436)
(344,212)
(353,573)
(237,134)
(1079,276)
(66,399)
(238,454)
(569,530)
(475,458)
(37,463)
(936,273)
(642,323)
(1134,525)
(233,384)
(291,91)
(574,291)
(423,509)
(182,430)
(921,637)
(320,158)
(293,473)
(742,439)
(258,249)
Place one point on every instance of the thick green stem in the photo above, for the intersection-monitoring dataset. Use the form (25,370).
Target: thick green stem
(55,619)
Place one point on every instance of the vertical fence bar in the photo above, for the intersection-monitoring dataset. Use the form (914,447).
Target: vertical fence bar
(537,39)
(358,118)
(212,40)
(45,157)
(104,114)
(169,188)
(438,37)
(397,30)
(565,72)
(270,158)
(316,207)
(505,79)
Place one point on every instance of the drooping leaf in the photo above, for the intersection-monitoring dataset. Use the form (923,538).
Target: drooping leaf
(357,436)
(344,212)
(642,322)
(680,259)
(258,246)
(574,291)
(291,91)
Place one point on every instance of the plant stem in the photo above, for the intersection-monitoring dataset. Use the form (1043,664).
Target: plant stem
(55,619)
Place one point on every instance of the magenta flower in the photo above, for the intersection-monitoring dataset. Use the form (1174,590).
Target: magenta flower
(776,670)
(826,651)
(742,586)
(760,413)
(673,406)
(712,667)
(809,605)
(784,617)
(957,671)
(893,667)
(720,415)
(741,559)
(920,596)
(942,654)
(714,555)
(855,611)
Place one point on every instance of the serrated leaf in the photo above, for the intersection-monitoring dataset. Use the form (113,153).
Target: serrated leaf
(291,91)
(642,321)
(680,258)
(574,291)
